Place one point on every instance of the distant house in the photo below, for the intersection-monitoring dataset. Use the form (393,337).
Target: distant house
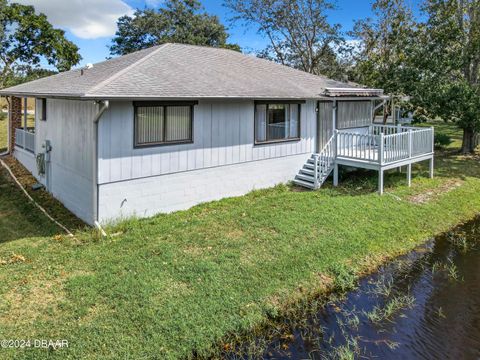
(172,126)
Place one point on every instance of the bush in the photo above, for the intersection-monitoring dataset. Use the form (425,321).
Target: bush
(442,140)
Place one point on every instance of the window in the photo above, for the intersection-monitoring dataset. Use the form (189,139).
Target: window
(163,123)
(43,112)
(276,122)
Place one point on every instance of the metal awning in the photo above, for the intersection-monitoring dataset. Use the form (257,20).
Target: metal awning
(340,92)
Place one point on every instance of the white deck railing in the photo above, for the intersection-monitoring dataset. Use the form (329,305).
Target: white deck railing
(384,144)
(323,162)
(25,139)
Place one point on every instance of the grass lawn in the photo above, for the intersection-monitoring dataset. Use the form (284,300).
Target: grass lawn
(3,131)
(442,127)
(179,285)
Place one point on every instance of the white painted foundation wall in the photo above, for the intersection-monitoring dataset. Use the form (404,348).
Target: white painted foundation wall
(166,193)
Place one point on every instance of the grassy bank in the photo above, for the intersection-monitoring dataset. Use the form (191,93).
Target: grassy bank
(179,284)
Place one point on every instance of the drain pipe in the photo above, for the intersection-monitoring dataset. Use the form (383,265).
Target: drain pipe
(104,105)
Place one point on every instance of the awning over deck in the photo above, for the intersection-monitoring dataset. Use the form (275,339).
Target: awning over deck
(352,92)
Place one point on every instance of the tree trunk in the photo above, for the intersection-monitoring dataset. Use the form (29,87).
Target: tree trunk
(469,141)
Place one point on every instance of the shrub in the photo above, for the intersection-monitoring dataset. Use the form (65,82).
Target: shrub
(442,140)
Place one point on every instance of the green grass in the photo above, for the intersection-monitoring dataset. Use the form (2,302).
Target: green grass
(4,129)
(3,132)
(182,284)
(442,127)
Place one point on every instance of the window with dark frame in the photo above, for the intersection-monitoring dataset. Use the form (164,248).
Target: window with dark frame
(43,103)
(163,123)
(276,122)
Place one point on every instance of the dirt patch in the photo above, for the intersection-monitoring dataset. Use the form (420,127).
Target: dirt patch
(432,194)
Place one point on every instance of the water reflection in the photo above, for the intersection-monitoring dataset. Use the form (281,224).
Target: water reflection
(423,306)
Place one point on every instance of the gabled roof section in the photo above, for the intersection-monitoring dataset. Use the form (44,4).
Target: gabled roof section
(176,71)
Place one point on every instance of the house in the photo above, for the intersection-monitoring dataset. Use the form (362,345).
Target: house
(172,126)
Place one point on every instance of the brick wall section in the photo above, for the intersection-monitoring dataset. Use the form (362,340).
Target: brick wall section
(15,113)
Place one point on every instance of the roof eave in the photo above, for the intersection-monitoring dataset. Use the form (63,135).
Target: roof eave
(96,97)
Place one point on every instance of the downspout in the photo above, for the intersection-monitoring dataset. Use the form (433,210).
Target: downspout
(104,105)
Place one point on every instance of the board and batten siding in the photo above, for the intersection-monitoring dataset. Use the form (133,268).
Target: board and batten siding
(223,134)
(354,114)
(69,127)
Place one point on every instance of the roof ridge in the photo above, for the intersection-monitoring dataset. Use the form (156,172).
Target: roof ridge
(120,73)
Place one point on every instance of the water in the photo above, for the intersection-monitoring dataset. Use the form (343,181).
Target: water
(425,305)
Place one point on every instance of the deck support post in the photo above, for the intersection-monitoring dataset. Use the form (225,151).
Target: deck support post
(380,181)
(431,168)
(335,175)
(409,175)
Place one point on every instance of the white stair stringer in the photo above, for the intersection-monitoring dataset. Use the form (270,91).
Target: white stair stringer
(318,167)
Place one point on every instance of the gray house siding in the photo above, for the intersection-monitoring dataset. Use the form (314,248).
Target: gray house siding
(222,135)
(69,177)
(222,161)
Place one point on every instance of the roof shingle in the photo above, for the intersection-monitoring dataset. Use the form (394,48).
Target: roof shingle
(175,71)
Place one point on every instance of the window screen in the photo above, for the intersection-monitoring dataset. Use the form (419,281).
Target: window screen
(155,125)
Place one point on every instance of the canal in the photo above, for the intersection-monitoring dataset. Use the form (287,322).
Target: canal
(425,305)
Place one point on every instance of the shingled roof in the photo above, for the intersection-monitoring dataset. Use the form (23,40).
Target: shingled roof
(176,71)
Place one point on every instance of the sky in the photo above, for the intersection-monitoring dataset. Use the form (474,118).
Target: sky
(91,24)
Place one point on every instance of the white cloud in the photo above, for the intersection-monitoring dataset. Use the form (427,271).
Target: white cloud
(87,19)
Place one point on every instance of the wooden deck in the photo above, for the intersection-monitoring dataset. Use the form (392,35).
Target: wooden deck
(383,147)
(376,147)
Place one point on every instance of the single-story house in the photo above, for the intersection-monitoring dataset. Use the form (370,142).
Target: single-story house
(168,127)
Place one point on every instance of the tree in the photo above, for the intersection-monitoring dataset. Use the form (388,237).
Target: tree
(298,31)
(435,61)
(180,21)
(24,73)
(386,43)
(449,58)
(26,38)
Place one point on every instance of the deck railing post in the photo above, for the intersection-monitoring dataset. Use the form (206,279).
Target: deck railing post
(433,139)
(380,149)
(335,150)
(410,145)
(315,171)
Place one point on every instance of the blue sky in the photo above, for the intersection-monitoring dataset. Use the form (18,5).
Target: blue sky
(91,23)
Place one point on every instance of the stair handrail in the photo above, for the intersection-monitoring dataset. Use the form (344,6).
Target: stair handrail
(324,157)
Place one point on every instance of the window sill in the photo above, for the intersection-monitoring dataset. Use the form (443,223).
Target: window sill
(270,142)
(163,144)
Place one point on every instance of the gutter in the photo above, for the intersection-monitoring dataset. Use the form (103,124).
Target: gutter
(104,105)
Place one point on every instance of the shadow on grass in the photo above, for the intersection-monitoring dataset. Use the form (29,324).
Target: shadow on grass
(448,164)
(20,218)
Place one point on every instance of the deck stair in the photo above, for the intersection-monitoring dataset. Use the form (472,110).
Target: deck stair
(318,167)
